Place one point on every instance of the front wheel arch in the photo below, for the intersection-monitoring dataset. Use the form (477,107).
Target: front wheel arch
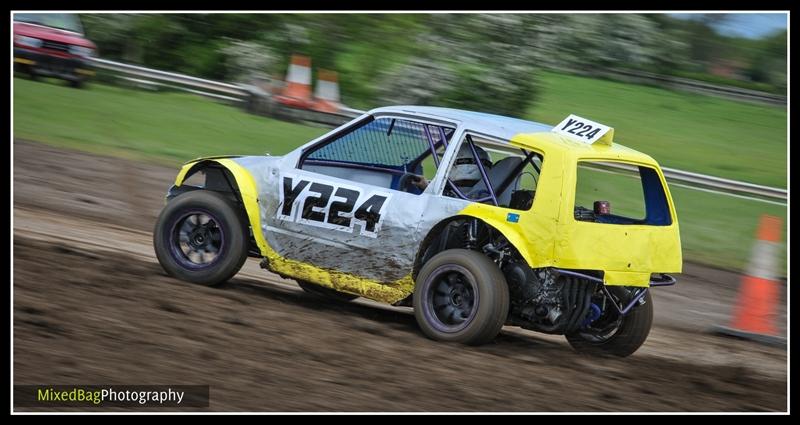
(234,182)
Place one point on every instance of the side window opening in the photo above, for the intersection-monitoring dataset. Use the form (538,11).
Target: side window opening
(512,173)
(386,152)
(440,136)
(619,193)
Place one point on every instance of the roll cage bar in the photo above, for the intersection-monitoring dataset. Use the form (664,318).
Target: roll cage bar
(529,156)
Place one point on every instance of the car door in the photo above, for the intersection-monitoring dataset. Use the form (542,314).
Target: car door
(341,208)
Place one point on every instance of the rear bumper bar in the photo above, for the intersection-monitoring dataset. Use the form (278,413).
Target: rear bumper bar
(638,294)
(663,280)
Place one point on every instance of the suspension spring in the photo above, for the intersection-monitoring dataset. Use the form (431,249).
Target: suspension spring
(471,234)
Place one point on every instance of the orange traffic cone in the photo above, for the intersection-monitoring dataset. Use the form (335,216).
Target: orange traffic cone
(755,311)
(298,83)
(327,93)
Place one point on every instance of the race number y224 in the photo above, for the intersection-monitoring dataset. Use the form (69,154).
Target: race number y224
(581,129)
(330,206)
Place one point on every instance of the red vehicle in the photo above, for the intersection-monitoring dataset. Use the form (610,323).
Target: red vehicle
(52,45)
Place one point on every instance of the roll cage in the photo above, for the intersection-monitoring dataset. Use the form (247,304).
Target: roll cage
(446,132)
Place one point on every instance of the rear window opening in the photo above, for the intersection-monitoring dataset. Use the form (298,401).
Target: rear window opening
(620,193)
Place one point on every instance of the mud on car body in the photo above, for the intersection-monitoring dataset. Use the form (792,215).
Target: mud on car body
(519,243)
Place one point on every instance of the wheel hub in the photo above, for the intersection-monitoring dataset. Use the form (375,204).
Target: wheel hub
(452,298)
(197,239)
(458,296)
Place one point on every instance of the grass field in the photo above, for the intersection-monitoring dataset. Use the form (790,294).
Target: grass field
(174,127)
(171,127)
(690,132)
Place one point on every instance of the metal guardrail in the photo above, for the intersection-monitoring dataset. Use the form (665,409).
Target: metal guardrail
(686,84)
(233,91)
(713,184)
(242,93)
(726,185)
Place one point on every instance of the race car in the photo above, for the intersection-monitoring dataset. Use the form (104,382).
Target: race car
(475,220)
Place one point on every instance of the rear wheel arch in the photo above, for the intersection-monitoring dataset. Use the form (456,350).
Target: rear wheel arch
(423,255)
(433,236)
(514,237)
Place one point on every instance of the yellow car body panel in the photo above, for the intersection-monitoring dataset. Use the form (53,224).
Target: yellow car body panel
(548,235)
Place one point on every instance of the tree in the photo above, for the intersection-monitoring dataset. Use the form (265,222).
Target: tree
(246,61)
(769,62)
(588,42)
(471,62)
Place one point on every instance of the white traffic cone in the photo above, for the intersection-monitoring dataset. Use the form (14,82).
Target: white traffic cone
(326,96)
(298,83)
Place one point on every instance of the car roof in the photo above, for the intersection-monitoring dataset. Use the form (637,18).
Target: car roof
(496,125)
(520,131)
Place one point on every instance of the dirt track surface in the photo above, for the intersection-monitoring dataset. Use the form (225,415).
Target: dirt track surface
(91,305)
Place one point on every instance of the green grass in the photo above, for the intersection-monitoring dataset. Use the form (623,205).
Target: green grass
(172,127)
(175,127)
(721,230)
(725,81)
(691,132)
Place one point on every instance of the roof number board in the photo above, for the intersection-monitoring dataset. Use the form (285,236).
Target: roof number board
(581,129)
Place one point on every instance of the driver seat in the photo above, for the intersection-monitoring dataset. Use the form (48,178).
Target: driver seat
(497,174)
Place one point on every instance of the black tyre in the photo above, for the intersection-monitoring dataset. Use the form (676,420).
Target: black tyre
(324,292)
(461,296)
(615,335)
(76,84)
(201,237)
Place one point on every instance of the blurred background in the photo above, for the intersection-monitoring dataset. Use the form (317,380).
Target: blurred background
(613,68)
(468,59)
(701,93)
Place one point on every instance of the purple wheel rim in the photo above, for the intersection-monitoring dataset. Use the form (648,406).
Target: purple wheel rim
(196,239)
(450,298)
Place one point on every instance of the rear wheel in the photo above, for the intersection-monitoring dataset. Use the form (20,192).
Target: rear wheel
(324,292)
(613,334)
(200,237)
(461,296)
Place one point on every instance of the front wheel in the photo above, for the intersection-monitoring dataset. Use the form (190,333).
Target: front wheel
(461,296)
(200,237)
(612,334)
